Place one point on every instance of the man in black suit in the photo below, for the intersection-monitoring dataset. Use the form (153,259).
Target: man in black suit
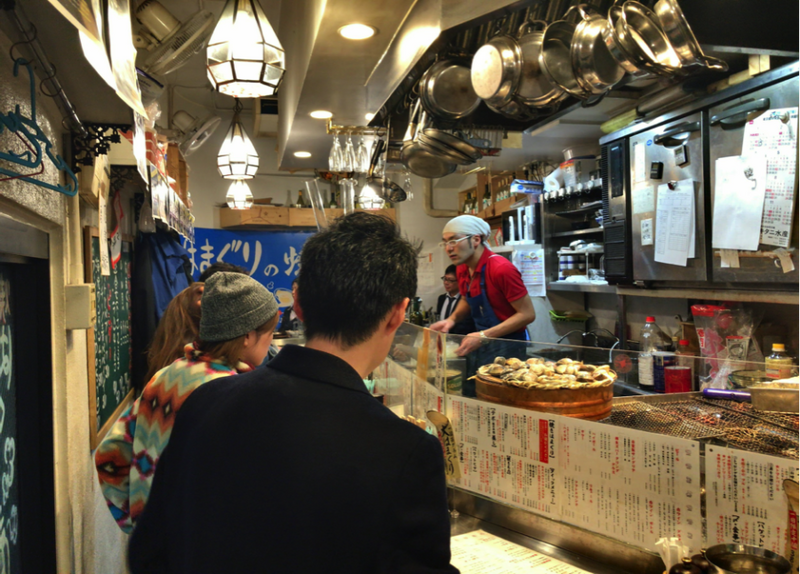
(295,467)
(449,300)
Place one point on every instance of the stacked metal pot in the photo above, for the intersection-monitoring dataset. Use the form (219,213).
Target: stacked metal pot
(528,74)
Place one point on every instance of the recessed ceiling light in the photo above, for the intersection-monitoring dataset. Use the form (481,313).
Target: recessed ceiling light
(321,115)
(357,31)
(369,117)
(302,154)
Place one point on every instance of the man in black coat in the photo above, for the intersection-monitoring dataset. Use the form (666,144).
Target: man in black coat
(449,300)
(295,467)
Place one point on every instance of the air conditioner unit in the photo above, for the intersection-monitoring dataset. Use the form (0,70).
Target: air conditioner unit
(265,113)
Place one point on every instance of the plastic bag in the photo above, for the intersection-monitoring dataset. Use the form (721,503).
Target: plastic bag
(726,341)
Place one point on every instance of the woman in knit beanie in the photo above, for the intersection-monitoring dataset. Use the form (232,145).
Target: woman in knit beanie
(238,318)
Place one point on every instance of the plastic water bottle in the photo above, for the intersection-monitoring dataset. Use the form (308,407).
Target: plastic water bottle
(652,339)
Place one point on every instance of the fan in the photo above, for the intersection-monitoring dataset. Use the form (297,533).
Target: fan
(194,132)
(172,43)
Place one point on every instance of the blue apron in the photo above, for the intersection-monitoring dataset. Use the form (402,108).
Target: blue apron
(485,318)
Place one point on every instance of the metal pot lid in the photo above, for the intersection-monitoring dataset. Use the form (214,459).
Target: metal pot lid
(453,141)
(448,90)
(450,153)
(495,68)
(424,164)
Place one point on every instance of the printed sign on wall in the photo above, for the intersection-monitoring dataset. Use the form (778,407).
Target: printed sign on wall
(271,257)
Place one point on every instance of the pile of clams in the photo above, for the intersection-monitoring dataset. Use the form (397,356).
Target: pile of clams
(541,374)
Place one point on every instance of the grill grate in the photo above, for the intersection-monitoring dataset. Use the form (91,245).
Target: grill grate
(729,423)
(642,416)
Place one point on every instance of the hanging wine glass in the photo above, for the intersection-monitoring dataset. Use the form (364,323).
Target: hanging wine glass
(335,157)
(348,156)
(362,157)
(409,189)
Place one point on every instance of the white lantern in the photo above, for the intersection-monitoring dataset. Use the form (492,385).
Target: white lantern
(237,158)
(244,57)
(239,195)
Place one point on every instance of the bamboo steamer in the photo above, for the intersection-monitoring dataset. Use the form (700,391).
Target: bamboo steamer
(592,404)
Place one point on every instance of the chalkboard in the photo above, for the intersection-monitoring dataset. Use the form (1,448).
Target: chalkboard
(9,465)
(109,342)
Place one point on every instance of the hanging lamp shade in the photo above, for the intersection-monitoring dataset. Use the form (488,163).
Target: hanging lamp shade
(244,57)
(239,195)
(237,158)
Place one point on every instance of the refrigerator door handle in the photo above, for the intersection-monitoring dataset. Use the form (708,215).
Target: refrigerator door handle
(737,116)
(677,135)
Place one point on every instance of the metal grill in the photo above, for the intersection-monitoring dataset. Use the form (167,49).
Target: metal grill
(788,421)
(738,428)
(642,416)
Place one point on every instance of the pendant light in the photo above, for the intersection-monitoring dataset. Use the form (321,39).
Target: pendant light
(237,158)
(244,57)
(239,195)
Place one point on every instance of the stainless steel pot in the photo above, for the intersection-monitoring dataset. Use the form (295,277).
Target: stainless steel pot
(738,558)
(534,89)
(446,91)
(680,35)
(618,51)
(554,59)
(639,30)
(595,69)
(495,70)
(416,158)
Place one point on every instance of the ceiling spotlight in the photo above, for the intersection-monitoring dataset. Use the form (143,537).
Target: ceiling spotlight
(321,115)
(302,154)
(357,31)
(369,117)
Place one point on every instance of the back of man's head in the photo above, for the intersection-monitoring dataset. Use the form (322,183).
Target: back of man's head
(351,276)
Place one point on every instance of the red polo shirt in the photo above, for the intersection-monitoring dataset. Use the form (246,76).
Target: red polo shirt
(503,283)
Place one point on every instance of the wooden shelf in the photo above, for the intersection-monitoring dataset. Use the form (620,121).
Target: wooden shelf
(270,216)
(589,231)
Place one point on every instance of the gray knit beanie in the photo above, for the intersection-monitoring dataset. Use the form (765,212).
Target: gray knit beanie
(234,304)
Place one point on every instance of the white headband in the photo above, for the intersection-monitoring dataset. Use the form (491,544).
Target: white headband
(468,225)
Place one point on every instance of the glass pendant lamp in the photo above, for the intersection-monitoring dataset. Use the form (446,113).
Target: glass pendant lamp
(239,195)
(244,57)
(237,158)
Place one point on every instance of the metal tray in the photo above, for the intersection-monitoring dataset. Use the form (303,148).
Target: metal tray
(779,397)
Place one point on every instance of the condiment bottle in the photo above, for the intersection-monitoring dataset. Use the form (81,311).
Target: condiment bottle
(779,363)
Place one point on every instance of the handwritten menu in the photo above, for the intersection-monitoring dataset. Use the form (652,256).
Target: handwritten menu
(774,135)
(633,486)
(626,484)
(507,453)
(479,552)
(745,502)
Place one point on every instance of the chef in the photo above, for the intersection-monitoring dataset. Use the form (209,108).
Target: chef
(492,292)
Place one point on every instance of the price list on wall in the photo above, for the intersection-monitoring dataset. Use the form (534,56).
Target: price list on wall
(745,502)
(507,453)
(633,486)
(774,135)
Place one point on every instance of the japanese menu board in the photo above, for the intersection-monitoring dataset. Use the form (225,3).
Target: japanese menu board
(479,552)
(745,502)
(109,342)
(626,484)
(630,485)
(506,453)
